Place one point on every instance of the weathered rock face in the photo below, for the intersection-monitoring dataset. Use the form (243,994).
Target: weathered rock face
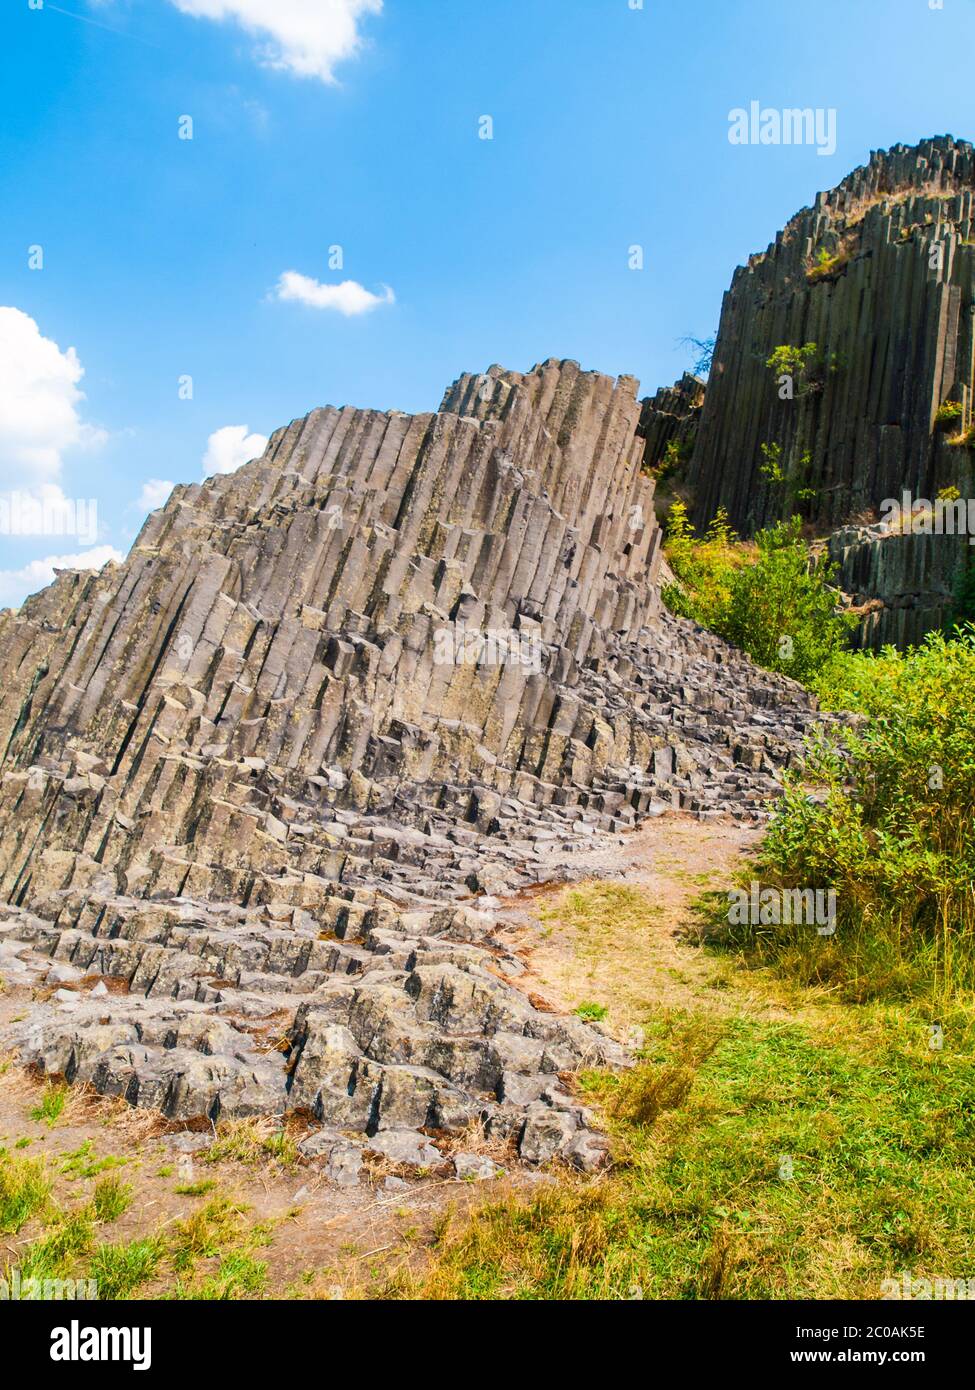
(880,276)
(258,780)
(903,584)
(669,421)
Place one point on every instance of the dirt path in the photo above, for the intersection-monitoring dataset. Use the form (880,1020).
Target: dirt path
(641,957)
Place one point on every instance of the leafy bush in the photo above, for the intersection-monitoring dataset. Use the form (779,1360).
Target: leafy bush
(703,567)
(825,265)
(891,827)
(795,490)
(782,610)
(770,599)
(858,681)
(792,360)
(676,454)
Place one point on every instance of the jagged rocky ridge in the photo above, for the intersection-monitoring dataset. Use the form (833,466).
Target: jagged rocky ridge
(254,822)
(880,275)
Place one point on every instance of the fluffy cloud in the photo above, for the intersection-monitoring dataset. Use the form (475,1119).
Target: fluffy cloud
(155,493)
(231,447)
(39,402)
(348,298)
(305,37)
(16,585)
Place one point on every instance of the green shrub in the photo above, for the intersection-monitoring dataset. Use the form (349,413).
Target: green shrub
(703,568)
(791,483)
(825,265)
(770,599)
(782,610)
(857,681)
(891,827)
(675,456)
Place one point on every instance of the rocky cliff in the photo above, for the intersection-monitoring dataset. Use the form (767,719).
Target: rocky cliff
(259,781)
(871,292)
(902,585)
(669,422)
(880,276)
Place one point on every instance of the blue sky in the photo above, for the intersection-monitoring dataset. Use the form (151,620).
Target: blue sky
(355,123)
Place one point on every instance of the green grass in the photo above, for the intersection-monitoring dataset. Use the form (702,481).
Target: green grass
(205,1232)
(52,1103)
(252,1141)
(120,1269)
(239,1276)
(593,1013)
(84,1163)
(196,1189)
(25,1188)
(178,1254)
(207,1255)
(55,1254)
(878,1134)
(112,1198)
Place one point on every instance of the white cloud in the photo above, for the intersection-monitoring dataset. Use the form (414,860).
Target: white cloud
(231,447)
(16,585)
(348,298)
(155,493)
(39,402)
(305,37)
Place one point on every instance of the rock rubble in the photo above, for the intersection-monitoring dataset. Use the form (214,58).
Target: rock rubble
(263,782)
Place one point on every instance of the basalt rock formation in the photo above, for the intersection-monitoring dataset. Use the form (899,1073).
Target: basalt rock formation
(879,275)
(902,585)
(260,782)
(669,422)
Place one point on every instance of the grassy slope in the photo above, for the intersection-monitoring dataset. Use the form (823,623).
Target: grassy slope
(742,1074)
(878,1130)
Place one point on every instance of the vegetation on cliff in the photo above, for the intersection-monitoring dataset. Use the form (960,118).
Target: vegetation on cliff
(881,813)
(768,598)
